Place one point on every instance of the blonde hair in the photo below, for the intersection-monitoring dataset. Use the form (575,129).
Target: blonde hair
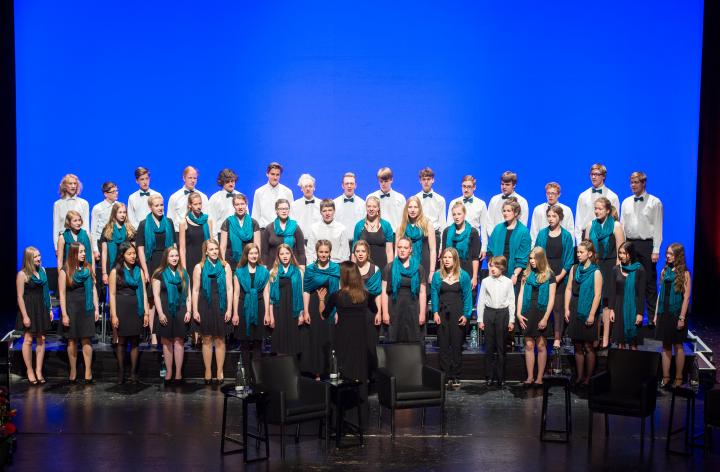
(276,264)
(189,169)
(608,206)
(541,264)
(363,243)
(678,251)
(459,204)
(154,197)
(455,269)
(552,185)
(63,183)
(421,221)
(376,200)
(28,266)
(108,229)
(70,215)
(192,196)
(385,173)
(600,168)
(513,203)
(205,245)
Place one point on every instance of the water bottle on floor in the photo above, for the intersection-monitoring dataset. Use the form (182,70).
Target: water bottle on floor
(334,372)
(240,380)
(474,343)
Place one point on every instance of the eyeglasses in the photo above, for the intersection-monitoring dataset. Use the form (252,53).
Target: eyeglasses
(113,190)
(595,174)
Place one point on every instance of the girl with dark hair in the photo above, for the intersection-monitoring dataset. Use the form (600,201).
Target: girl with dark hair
(626,296)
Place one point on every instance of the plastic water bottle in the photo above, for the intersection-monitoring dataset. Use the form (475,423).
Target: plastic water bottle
(474,343)
(334,373)
(240,381)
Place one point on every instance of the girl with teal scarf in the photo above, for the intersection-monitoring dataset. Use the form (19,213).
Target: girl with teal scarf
(627,297)
(535,303)
(465,239)
(73,233)
(116,231)
(212,306)
(321,279)
(420,232)
(377,232)
(283,230)
(519,243)
(128,307)
(372,277)
(286,315)
(582,300)
(251,296)
(171,292)
(194,230)
(404,294)
(238,230)
(672,309)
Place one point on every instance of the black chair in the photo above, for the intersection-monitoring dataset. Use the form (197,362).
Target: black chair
(403,381)
(292,399)
(627,388)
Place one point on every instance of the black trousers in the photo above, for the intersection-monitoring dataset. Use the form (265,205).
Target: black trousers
(496,328)
(643,248)
(450,340)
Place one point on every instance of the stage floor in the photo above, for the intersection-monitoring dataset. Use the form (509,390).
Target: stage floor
(150,427)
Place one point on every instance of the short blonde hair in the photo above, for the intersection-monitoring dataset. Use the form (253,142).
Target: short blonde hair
(189,169)
(600,168)
(550,185)
(63,184)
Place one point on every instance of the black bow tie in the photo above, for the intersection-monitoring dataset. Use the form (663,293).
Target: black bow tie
(309,202)
(467,199)
(144,194)
(427,195)
(188,191)
(505,197)
(384,195)
(351,200)
(597,190)
(639,199)
(229,195)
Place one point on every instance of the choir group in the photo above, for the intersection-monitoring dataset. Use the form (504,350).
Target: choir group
(319,274)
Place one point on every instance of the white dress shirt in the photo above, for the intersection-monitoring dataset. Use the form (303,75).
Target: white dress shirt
(137,206)
(643,219)
(434,209)
(220,206)
(60,209)
(100,217)
(263,205)
(391,207)
(585,210)
(349,213)
(333,232)
(306,214)
(495,210)
(539,219)
(476,213)
(177,205)
(496,293)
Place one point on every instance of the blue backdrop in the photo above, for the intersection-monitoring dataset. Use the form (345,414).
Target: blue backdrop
(479,87)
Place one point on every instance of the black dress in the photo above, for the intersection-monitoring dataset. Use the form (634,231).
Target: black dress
(194,239)
(82,321)
(606,265)
(35,309)
(257,331)
(270,242)
(212,319)
(534,315)
(286,336)
(474,248)
(317,344)
(154,259)
(666,327)
(108,263)
(126,308)
(176,326)
(577,329)
(377,242)
(617,300)
(404,324)
(228,250)
(554,253)
(450,334)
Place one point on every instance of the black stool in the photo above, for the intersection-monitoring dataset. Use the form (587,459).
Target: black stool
(246,398)
(689,427)
(549,382)
(712,415)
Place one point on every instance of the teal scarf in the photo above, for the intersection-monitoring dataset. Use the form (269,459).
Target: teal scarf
(151,229)
(251,290)
(585,276)
(216,270)
(239,234)
(82,238)
(543,293)
(292,273)
(83,276)
(42,281)
(316,278)
(119,236)
(465,290)
(600,235)
(676,298)
(288,234)
(399,270)
(629,306)
(415,235)
(461,241)
(174,286)
(384,225)
(201,220)
(133,278)
(519,245)
(568,247)
(374,284)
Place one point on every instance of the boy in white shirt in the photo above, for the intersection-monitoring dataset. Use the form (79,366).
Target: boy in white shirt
(585,209)
(263,204)
(137,207)
(476,211)
(349,207)
(508,182)
(392,203)
(330,229)
(220,205)
(539,215)
(306,209)
(177,206)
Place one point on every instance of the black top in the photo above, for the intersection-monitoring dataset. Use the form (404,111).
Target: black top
(271,241)
(474,248)
(506,248)
(159,237)
(405,282)
(554,253)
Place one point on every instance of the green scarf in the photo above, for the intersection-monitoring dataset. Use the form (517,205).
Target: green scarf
(251,290)
(151,229)
(83,276)
(239,235)
(174,286)
(374,284)
(465,290)
(292,273)
(133,278)
(42,281)
(315,277)
(415,235)
(543,292)
(629,304)
(82,238)
(519,245)
(399,270)
(585,276)
(217,271)
(119,236)
(460,241)
(600,235)
(568,247)
(385,226)
(676,298)
(201,220)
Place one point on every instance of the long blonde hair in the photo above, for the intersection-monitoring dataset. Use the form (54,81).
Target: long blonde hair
(421,221)
(205,245)
(108,229)
(69,217)
(28,266)
(276,264)
(678,251)
(541,264)
(455,269)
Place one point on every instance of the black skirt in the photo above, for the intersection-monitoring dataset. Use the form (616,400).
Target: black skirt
(666,327)
(317,345)
(126,309)
(176,326)
(82,321)
(36,311)
(212,318)
(286,336)
(577,330)
(534,315)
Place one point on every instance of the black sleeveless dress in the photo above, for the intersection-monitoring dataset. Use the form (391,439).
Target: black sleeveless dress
(534,315)
(286,336)
(126,309)
(82,321)
(257,331)
(35,309)
(377,242)
(212,319)
(194,239)
(176,326)
(577,330)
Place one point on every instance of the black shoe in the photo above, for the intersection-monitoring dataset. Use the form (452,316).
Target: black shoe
(501,383)
(490,382)
(208,381)
(167,382)
(89,381)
